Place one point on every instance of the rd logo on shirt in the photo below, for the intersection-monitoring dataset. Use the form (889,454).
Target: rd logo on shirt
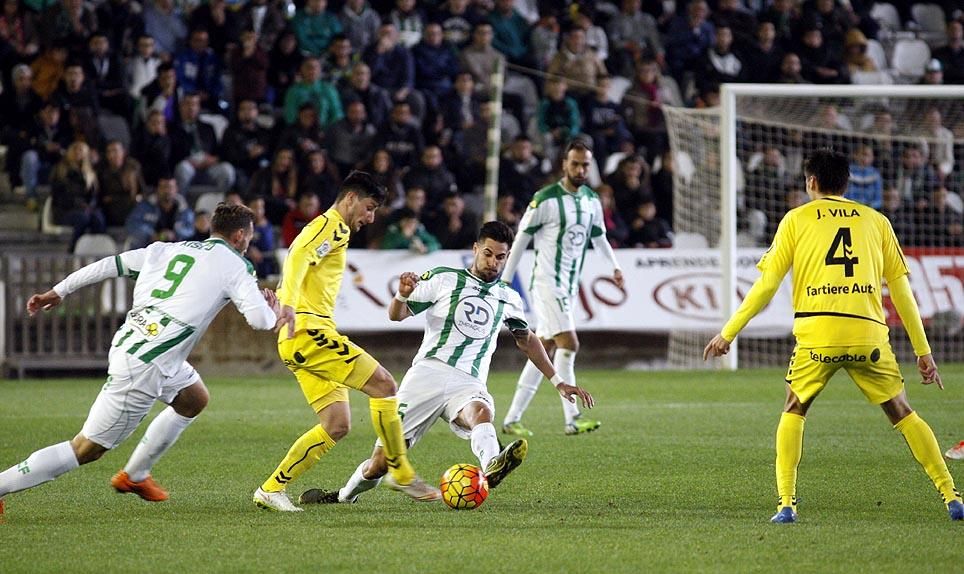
(574,238)
(473,317)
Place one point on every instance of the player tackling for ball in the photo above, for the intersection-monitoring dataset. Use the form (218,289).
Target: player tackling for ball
(833,241)
(465,310)
(179,289)
(561,219)
(325,363)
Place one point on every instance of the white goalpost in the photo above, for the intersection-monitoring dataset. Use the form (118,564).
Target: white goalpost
(738,171)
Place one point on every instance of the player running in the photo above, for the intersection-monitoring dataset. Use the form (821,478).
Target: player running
(325,363)
(180,288)
(562,219)
(839,250)
(465,310)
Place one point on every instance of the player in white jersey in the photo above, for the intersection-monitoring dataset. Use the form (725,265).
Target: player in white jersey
(561,219)
(180,288)
(465,310)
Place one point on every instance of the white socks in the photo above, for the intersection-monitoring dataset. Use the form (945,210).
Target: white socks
(565,364)
(526,389)
(357,484)
(485,444)
(42,466)
(160,435)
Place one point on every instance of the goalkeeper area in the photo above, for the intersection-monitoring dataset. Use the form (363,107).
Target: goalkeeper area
(678,479)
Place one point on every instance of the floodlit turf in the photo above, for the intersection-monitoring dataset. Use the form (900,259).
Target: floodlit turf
(678,479)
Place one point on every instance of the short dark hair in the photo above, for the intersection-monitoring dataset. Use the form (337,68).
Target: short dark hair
(831,168)
(578,143)
(229,218)
(364,185)
(496,231)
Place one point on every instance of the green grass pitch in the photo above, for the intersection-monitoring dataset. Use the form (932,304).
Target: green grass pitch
(678,479)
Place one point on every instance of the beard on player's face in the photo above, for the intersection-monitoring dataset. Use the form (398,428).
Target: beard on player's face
(575,179)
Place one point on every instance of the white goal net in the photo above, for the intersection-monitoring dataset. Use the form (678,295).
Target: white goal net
(905,145)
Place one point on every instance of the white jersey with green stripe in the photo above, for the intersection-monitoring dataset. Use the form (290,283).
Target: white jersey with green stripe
(463,317)
(562,225)
(180,288)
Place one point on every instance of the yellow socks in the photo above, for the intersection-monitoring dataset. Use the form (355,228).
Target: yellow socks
(388,427)
(789,451)
(302,455)
(920,438)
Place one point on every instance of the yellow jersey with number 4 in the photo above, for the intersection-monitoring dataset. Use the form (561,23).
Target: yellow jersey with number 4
(839,250)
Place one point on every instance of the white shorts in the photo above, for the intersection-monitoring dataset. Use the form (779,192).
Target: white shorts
(128,395)
(432,390)
(553,313)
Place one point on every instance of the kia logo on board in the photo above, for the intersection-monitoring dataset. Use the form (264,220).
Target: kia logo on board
(695,295)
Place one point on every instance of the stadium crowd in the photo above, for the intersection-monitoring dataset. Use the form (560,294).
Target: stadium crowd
(133,115)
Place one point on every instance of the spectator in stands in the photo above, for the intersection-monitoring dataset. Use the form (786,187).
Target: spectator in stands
(720,64)
(617,232)
(661,183)
(18,105)
(195,151)
(409,21)
(791,70)
(67,23)
(634,36)
(267,20)
(339,61)
(458,18)
(202,225)
(198,70)
(642,103)
(933,74)
(461,110)
(939,142)
(245,143)
(162,94)
(951,55)
(308,208)
(382,168)
(833,130)
(221,24)
(764,56)
(596,40)
(163,22)
(120,184)
(506,212)
(734,15)
(785,15)
(76,93)
(408,233)
(312,89)
(820,63)
(123,22)
(108,77)
(688,37)
(766,185)
(544,37)
(283,64)
(604,123)
(631,186)
(262,246)
(480,58)
(152,147)
(855,53)
(393,68)
(454,227)
(40,148)
(401,136)
(320,177)
(435,66)
(432,176)
(73,193)
(558,116)
(315,27)
(304,136)
(233,197)
(578,65)
(164,216)
(351,138)
(48,69)
(510,32)
(834,21)
(18,31)
(916,179)
(937,223)
(377,100)
(521,173)
(648,230)
(887,152)
(249,70)
(359,23)
(277,185)
(901,218)
(142,67)
(866,185)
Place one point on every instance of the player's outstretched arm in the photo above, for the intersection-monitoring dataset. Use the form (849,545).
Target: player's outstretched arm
(123,264)
(532,347)
(928,371)
(717,347)
(398,307)
(45,301)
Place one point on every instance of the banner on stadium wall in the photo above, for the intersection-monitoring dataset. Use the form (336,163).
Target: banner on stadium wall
(937,278)
(665,289)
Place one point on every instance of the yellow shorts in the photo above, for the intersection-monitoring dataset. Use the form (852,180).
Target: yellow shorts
(872,367)
(326,364)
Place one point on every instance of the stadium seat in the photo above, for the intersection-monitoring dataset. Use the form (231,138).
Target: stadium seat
(47,224)
(910,57)
(612,162)
(933,27)
(208,201)
(617,87)
(686,240)
(219,123)
(871,78)
(876,52)
(955,202)
(886,16)
(95,244)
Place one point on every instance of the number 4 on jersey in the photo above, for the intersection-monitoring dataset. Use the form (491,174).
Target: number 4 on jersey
(842,242)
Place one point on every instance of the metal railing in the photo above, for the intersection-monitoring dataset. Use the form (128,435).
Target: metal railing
(73,336)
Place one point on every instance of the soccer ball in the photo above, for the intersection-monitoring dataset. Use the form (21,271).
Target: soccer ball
(464,487)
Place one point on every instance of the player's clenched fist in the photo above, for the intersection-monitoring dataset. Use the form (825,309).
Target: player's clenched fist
(407,283)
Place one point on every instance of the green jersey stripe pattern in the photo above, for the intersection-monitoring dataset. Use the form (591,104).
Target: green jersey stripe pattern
(450,320)
(457,354)
(562,235)
(496,325)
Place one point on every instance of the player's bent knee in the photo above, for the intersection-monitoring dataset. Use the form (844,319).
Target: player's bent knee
(86,450)
(381,384)
(475,413)
(338,430)
(191,400)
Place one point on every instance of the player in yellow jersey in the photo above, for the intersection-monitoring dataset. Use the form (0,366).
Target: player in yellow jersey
(839,250)
(325,363)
